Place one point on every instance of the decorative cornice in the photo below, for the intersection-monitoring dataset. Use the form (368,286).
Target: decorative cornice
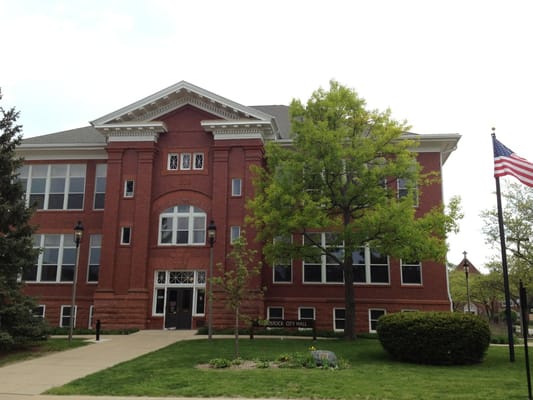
(132,132)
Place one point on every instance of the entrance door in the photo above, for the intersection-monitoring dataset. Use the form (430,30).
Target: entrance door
(178,314)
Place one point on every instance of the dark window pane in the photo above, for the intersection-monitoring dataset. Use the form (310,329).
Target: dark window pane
(411,274)
(183,237)
(166,237)
(312,273)
(334,273)
(37,201)
(159,301)
(275,313)
(55,201)
(93,273)
(379,274)
(99,201)
(49,273)
(67,273)
(359,273)
(307,313)
(75,201)
(282,273)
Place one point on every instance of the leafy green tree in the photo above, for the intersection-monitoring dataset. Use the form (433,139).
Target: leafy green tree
(517,211)
(235,280)
(17,324)
(339,176)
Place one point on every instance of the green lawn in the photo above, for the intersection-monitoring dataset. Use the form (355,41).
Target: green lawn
(370,376)
(38,349)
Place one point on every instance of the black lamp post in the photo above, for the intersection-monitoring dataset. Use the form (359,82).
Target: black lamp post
(78,234)
(466,266)
(211,236)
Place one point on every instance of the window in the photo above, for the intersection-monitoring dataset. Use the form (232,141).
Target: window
(373,316)
(321,268)
(198,161)
(56,261)
(54,186)
(236,187)
(129,188)
(185,161)
(173,161)
(339,318)
(95,244)
(274,313)
(235,233)
(39,311)
(65,316)
(411,272)
(306,313)
(370,266)
(182,225)
(282,268)
(91,316)
(171,279)
(404,187)
(99,186)
(125,235)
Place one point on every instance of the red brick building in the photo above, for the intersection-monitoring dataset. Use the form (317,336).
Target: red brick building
(145,181)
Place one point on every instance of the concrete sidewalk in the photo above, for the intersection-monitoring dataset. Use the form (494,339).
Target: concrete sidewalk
(27,379)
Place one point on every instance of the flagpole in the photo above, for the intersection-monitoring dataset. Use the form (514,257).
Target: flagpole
(504,265)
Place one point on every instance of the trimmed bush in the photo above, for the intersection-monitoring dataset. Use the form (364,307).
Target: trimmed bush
(440,338)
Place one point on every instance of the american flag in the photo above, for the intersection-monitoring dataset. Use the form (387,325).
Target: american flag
(506,162)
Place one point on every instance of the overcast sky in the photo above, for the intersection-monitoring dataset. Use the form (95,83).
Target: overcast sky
(454,66)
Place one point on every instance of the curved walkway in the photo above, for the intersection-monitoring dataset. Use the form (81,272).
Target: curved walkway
(27,379)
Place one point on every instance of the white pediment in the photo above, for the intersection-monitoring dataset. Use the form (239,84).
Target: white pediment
(176,96)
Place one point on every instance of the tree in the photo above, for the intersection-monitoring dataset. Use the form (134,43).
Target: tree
(517,211)
(235,280)
(17,323)
(339,176)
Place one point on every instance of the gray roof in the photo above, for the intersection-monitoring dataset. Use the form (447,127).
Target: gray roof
(281,113)
(85,135)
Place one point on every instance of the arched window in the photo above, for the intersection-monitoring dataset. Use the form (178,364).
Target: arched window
(182,225)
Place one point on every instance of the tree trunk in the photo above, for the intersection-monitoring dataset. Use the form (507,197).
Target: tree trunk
(237,355)
(349,299)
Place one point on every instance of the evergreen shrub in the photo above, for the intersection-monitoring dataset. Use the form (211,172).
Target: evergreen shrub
(439,338)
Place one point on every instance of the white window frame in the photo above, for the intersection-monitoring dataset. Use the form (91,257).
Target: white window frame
(129,193)
(402,188)
(411,264)
(335,319)
(62,316)
(27,176)
(370,319)
(91,316)
(65,243)
(162,282)
(269,309)
(323,261)
(306,319)
(169,162)
(236,187)
(368,269)
(193,214)
(235,233)
(123,230)
(194,158)
(100,174)
(95,242)
(186,161)
(43,311)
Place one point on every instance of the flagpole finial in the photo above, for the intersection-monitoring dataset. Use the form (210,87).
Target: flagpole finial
(493,132)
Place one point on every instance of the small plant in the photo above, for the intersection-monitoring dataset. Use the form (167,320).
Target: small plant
(219,363)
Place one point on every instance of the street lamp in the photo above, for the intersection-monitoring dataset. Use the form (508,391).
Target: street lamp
(211,236)
(466,266)
(78,234)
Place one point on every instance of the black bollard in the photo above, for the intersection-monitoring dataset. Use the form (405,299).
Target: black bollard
(97,330)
